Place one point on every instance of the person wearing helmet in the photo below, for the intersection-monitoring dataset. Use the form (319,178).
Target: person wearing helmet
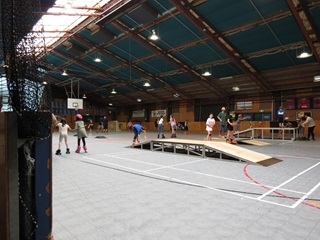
(238,122)
(81,133)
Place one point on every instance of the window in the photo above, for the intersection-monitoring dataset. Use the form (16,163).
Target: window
(244,105)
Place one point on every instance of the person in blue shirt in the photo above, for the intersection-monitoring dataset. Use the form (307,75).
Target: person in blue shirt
(137,129)
(280,114)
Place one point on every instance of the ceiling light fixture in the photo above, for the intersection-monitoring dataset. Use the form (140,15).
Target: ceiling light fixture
(138,100)
(113,91)
(304,52)
(316,78)
(64,73)
(110,104)
(154,36)
(235,88)
(44,83)
(97,59)
(84,96)
(146,84)
(225,78)
(176,95)
(206,74)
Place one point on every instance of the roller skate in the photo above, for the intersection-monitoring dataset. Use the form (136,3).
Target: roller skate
(78,149)
(58,152)
(85,148)
(68,151)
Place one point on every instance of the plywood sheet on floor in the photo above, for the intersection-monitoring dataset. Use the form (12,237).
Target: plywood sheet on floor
(252,142)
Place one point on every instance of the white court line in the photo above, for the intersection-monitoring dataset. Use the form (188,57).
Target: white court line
(174,165)
(116,153)
(286,182)
(187,182)
(159,167)
(306,195)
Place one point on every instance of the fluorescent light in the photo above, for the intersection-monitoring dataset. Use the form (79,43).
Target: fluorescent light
(225,78)
(316,78)
(138,100)
(110,104)
(97,59)
(45,83)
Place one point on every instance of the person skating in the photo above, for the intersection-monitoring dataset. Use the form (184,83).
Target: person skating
(63,128)
(81,133)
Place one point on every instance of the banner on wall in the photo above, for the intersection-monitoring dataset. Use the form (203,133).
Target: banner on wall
(138,113)
(158,113)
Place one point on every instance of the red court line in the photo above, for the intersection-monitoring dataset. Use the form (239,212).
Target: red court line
(276,192)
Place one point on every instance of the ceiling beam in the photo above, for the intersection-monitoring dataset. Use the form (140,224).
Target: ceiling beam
(308,27)
(149,44)
(103,73)
(218,39)
(107,53)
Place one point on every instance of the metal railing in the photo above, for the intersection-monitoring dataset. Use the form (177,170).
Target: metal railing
(273,133)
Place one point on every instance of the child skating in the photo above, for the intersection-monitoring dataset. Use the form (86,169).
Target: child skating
(230,138)
(63,128)
(90,127)
(81,133)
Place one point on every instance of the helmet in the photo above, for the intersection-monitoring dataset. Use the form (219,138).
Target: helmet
(240,115)
(79,116)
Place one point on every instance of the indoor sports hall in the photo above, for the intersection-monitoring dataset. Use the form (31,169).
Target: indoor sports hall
(226,91)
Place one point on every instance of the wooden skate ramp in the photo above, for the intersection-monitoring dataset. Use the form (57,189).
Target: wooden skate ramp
(252,142)
(201,148)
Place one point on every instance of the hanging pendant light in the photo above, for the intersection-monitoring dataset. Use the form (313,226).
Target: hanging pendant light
(154,36)
(304,52)
(64,73)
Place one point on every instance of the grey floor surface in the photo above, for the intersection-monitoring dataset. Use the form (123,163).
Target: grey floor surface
(114,192)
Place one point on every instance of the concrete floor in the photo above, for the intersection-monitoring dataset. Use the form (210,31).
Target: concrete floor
(114,192)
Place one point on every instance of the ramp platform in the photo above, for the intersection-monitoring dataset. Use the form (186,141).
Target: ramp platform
(251,141)
(208,149)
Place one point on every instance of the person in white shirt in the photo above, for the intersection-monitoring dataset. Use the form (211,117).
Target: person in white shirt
(63,128)
(311,125)
(209,126)
(160,127)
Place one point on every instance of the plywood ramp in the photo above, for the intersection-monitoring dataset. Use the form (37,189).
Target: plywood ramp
(224,148)
(252,142)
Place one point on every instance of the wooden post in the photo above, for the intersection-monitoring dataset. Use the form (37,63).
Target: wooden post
(9,191)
